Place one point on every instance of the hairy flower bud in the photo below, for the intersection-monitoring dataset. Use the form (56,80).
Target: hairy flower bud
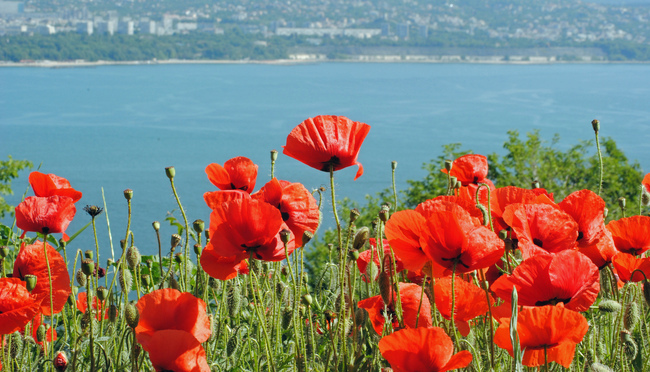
(112,313)
(646,292)
(234,300)
(133,257)
(131,315)
(81,278)
(385,287)
(231,346)
(126,280)
(361,238)
(630,316)
(609,306)
(40,333)
(307,299)
(61,361)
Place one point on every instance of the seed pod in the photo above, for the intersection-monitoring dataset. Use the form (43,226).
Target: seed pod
(385,288)
(146,280)
(448,164)
(126,280)
(81,278)
(128,194)
(630,348)
(197,249)
(609,306)
(631,316)
(361,238)
(88,266)
(307,299)
(89,254)
(287,317)
(621,202)
(645,198)
(234,300)
(102,293)
(597,367)
(231,346)
(30,282)
(156,225)
(175,240)
(198,226)
(596,125)
(170,172)
(354,214)
(71,300)
(274,155)
(4,251)
(131,315)
(307,236)
(133,257)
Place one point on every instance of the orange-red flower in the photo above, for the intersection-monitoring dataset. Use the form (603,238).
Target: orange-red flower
(178,351)
(422,350)
(541,228)
(17,306)
(625,264)
(171,309)
(454,238)
(568,277)
(246,226)
(594,240)
(470,169)
(410,294)
(646,182)
(82,305)
(504,196)
(50,184)
(373,253)
(327,142)
(297,206)
(470,302)
(631,235)
(45,215)
(238,173)
(223,267)
(554,328)
(31,261)
(403,231)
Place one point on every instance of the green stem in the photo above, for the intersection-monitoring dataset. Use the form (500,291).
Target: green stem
(393,166)
(89,311)
(453,303)
(96,242)
(260,317)
(336,216)
(600,161)
(49,280)
(417,319)
(187,234)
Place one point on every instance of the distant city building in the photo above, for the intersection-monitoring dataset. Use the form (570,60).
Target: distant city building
(125,27)
(45,29)
(106,27)
(11,7)
(85,27)
(147,27)
(403,30)
(423,31)
(186,26)
(361,33)
(385,29)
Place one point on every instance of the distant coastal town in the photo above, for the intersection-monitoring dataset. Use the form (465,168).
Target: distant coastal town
(506,31)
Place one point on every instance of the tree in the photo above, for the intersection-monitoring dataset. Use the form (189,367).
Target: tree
(8,171)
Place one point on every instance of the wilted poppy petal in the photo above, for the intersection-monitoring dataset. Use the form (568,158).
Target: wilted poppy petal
(31,261)
(327,141)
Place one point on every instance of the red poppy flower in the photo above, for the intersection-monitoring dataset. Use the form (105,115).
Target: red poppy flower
(50,184)
(568,277)
(504,196)
(410,294)
(470,169)
(175,350)
(553,328)
(171,309)
(215,199)
(422,350)
(327,141)
(31,261)
(541,228)
(646,182)
(248,226)
(373,253)
(453,238)
(297,206)
(45,215)
(470,302)
(446,203)
(222,267)
(631,235)
(82,305)
(403,231)
(238,173)
(625,264)
(17,306)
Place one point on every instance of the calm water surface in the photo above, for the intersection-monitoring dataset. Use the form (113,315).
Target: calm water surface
(118,127)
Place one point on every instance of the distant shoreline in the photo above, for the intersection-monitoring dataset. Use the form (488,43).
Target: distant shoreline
(379,59)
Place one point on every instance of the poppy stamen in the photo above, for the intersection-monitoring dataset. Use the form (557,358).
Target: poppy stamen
(456,260)
(538,243)
(554,301)
(334,161)
(580,235)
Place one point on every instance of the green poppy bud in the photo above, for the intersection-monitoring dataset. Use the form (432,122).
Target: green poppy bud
(112,313)
(40,333)
(126,280)
(198,249)
(170,172)
(609,306)
(274,155)
(156,225)
(30,281)
(385,288)
(131,315)
(81,278)
(128,194)
(88,267)
(4,251)
(133,257)
(198,226)
(448,164)
(307,299)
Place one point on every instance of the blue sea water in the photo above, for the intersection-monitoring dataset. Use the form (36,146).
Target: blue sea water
(118,127)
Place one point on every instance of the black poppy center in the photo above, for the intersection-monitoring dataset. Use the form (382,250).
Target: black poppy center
(553,301)
(475,180)
(456,260)
(334,161)
(243,188)
(580,236)
(538,243)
